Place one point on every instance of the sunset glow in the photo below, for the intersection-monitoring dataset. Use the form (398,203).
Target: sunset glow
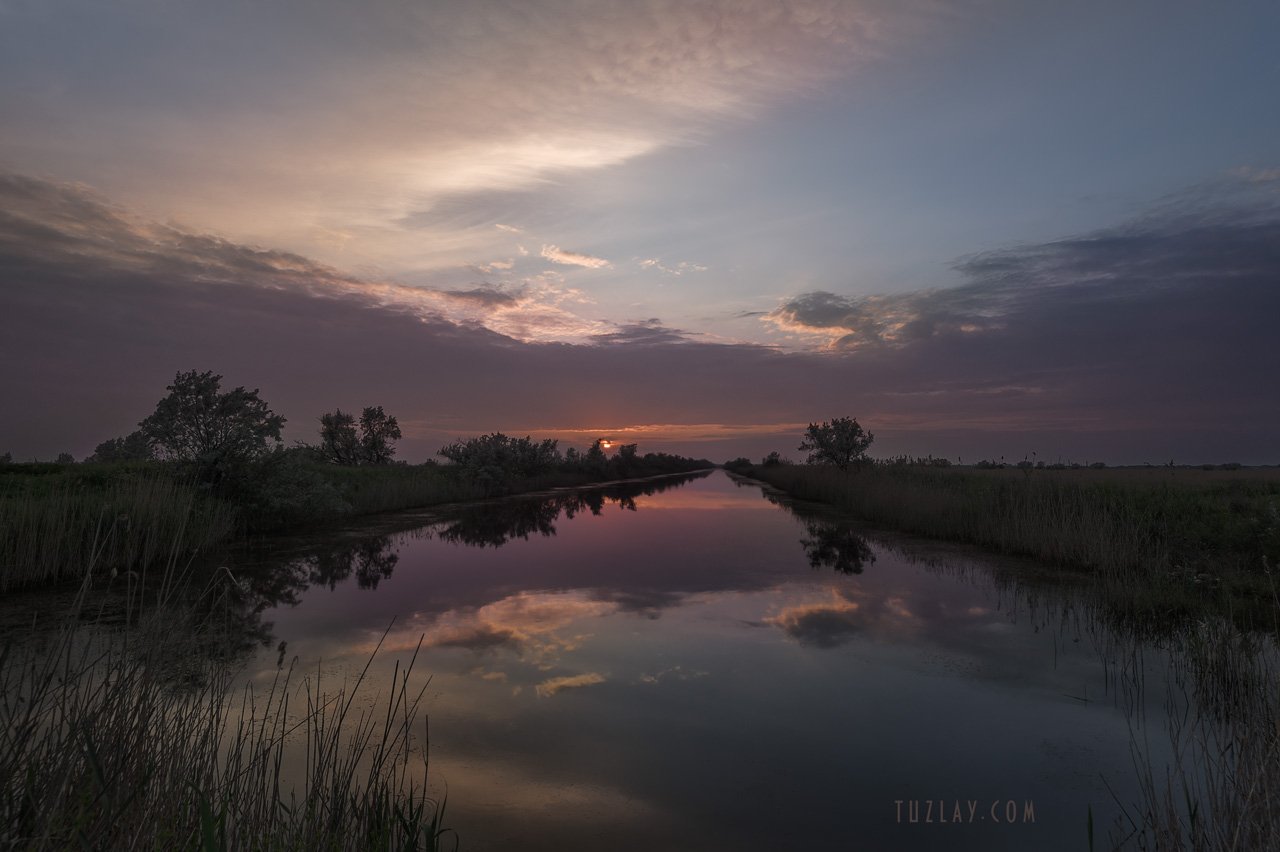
(979,229)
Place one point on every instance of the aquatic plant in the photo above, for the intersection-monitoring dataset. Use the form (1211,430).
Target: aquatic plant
(136,738)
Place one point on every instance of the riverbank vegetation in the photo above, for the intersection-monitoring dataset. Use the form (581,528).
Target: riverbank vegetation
(1183,556)
(208,467)
(1110,520)
(123,730)
(1163,543)
(1168,541)
(122,516)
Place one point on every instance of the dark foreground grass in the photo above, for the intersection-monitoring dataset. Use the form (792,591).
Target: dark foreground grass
(55,521)
(133,739)
(1222,791)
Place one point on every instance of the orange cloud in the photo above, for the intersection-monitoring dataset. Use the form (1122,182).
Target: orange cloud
(550,687)
(555,254)
(528,624)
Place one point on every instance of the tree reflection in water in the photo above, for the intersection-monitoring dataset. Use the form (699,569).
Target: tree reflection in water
(835,545)
(831,543)
(372,559)
(495,524)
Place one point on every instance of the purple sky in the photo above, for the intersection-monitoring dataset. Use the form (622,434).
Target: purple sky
(981,228)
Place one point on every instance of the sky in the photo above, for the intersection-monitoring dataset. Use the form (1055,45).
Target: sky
(983,229)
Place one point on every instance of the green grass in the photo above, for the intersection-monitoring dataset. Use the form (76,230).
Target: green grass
(1207,533)
(133,739)
(57,519)
(54,523)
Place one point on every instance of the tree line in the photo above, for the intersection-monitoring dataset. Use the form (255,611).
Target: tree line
(198,423)
(220,434)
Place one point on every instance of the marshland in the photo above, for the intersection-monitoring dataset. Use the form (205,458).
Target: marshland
(412,425)
(895,655)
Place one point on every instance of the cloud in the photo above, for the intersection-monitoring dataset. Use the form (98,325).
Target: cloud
(486,297)
(650,332)
(555,254)
(1176,256)
(435,100)
(1141,342)
(476,637)
(678,269)
(551,686)
(1257,175)
(528,624)
(673,673)
(78,226)
(845,613)
(822,625)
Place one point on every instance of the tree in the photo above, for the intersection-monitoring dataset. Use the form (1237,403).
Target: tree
(595,458)
(373,445)
(378,431)
(65,458)
(198,423)
(627,453)
(839,442)
(132,447)
(338,439)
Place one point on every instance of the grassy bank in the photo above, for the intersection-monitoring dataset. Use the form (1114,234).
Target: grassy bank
(1185,535)
(57,519)
(131,738)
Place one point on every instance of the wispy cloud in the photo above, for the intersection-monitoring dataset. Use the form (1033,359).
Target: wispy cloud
(437,100)
(650,332)
(823,624)
(533,626)
(1257,175)
(1185,250)
(1150,339)
(551,686)
(844,614)
(486,297)
(676,269)
(78,225)
(555,254)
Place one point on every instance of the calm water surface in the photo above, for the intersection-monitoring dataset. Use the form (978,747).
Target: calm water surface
(690,665)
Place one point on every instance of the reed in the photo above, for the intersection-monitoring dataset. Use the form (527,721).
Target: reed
(1132,526)
(1222,791)
(51,527)
(57,519)
(135,739)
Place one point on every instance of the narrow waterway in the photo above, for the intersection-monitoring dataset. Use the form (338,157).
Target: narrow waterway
(692,664)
